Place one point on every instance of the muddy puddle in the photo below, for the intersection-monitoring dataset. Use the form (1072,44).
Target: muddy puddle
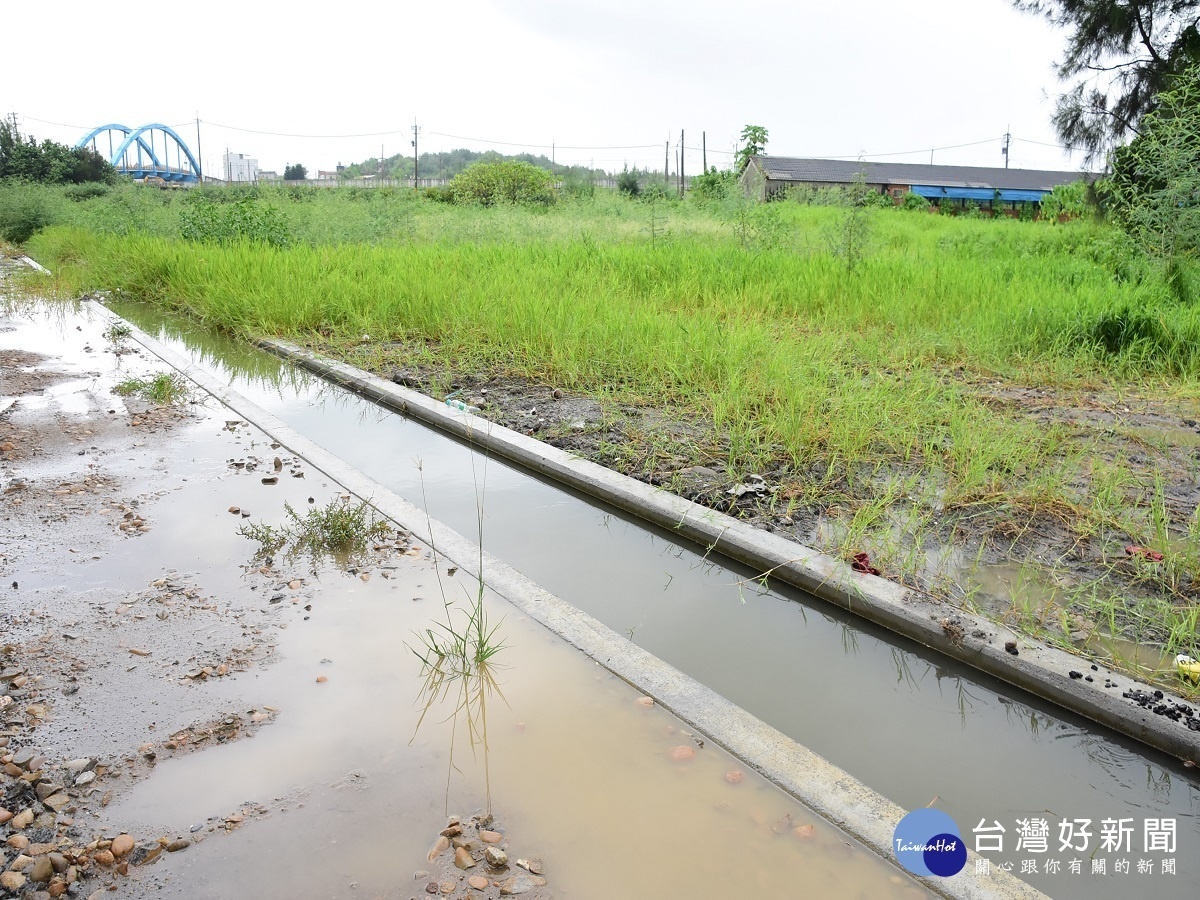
(913,727)
(581,776)
(264,711)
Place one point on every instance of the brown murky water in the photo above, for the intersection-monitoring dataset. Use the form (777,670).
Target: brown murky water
(581,775)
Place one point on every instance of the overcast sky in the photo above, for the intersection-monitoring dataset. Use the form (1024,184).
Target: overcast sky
(607,81)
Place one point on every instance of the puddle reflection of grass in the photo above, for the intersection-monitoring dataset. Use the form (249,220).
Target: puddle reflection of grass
(458,655)
(340,530)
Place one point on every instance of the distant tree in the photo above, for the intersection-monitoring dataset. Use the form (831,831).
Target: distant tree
(754,143)
(1154,191)
(1119,55)
(294,172)
(49,162)
(627,182)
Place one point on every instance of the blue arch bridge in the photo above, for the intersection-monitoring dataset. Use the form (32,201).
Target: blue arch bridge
(153,151)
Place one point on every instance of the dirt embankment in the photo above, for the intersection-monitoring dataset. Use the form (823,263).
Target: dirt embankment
(1021,561)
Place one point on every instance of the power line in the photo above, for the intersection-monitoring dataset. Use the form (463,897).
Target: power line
(60,124)
(314,136)
(459,137)
(913,152)
(89,127)
(1043,143)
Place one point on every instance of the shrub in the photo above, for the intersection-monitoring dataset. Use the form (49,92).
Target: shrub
(440,194)
(1068,200)
(872,198)
(508,181)
(915,202)
(714,185)
(655,191)
(24,211)
(87,190)
(627,183)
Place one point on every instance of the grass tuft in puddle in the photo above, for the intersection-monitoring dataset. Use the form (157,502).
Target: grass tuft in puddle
(458,658)
(164,389)
(117,332)
(340,528)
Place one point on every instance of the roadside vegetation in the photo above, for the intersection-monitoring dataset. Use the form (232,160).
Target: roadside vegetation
(163,389)
(950,393)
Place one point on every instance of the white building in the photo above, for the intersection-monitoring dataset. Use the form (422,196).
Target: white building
(240,167)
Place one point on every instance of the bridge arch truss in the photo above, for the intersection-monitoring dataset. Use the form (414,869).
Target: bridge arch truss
(148,151)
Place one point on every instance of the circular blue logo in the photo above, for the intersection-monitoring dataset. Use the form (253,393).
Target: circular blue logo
(928,842)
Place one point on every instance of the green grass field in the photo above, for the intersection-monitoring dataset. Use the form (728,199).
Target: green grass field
(880,389)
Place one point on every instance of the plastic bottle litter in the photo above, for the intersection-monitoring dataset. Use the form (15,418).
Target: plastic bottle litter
(1187,667)
(462,407)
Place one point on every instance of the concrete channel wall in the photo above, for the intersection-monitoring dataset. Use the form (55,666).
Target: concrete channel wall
(826,789)
(978,642)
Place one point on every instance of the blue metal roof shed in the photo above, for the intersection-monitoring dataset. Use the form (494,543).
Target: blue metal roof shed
(1007,195)
(767,175)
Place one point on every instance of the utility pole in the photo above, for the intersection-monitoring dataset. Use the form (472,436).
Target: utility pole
(681,152)
(667,162)
(381,160)
(416,134)
(199,152)
(1007,140)
(552,162)
(704,151)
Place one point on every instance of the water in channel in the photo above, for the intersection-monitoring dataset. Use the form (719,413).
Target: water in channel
(916,727)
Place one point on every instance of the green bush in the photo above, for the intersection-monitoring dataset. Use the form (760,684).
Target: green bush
(915,202)
(655,191)
(511,181)
(1068,200)
(872,198)
(440,194)
(87,190)
(714,185)
(24,211)
(627,183)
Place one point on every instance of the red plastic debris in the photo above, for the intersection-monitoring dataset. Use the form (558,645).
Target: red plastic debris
(1135,550)
(861,562)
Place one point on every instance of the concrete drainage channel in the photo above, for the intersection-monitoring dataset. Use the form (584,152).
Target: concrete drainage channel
(1043,761)
(978,642)
(828,790)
